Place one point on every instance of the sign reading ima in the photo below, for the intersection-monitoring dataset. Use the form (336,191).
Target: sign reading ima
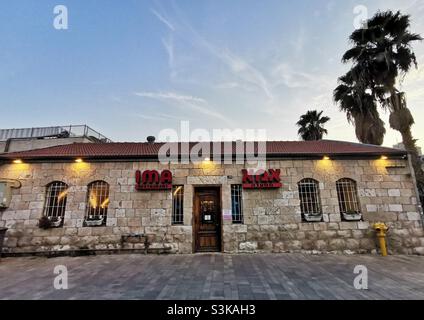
(262,180)
(153,180)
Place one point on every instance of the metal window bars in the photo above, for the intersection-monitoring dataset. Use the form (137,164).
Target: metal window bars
(237,203)
(347,196)
(56,195)
(178,205)
(310,200)
(97,201)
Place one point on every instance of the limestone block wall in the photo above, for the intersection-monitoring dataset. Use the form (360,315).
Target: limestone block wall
(129,212)
(273,221)
(272,218)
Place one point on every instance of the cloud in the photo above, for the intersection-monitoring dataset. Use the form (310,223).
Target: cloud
(248,76)
(163,20)
(185,102)
(170,96)
(286,75)
(159,116)
(244,71)
(169,48)
(168,43)
(227,85)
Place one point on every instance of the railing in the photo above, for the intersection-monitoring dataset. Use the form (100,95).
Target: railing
(53,132)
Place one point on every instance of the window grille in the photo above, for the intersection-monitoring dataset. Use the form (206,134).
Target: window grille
(97,201)
(310,200)
(56,195)
(236,203)
(348,196)
(178,205)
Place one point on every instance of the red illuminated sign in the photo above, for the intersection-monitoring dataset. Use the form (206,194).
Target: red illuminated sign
(266,180)
(153,180)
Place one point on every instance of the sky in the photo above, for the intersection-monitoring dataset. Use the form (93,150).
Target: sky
(132,68)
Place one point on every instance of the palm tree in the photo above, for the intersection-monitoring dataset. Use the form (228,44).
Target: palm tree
(382,55)
(311,126)
(361,110)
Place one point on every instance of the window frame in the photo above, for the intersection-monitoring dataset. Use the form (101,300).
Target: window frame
(60,209)
(175,199)
(313,208)
(344,185)
(103,194)
(237,217)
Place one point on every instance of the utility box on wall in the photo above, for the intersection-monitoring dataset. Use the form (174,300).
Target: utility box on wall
(5,195)
(6,192)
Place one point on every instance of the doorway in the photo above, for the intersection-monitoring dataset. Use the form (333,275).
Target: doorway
(207,219)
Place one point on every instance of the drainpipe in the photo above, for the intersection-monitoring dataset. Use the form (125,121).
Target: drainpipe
(414,180)
(7,144)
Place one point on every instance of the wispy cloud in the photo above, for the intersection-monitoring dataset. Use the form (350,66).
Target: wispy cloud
(185,102)
(170,96)
(286,75)
(168,43)
(159,116)
(169,48)
(247,74)
(244,70)
(227,85)
(163,20)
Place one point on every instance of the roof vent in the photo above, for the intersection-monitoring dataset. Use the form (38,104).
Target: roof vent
(151,139)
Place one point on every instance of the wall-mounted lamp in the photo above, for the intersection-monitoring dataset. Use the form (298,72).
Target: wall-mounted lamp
(79,160)
(384,158)
(17,161)
(326,158)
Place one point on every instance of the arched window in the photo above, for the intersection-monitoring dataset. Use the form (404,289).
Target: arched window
(348,197)
(55,204)
(97,202)
(310,201)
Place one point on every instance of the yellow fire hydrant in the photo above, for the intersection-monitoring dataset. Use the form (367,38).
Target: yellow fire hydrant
(381,230)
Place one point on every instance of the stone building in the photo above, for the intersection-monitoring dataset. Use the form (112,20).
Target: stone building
(319,196)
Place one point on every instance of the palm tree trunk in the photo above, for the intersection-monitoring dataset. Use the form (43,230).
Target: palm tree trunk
(411,148)
(402,121)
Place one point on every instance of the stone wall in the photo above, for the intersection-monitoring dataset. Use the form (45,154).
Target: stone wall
(24,144)
(272,218)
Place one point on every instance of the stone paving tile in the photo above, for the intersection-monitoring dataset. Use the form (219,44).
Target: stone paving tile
(213,277)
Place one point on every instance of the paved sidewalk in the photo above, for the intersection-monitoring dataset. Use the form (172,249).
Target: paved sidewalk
(213,276)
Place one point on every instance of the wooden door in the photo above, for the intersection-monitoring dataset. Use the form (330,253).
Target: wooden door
(207,220)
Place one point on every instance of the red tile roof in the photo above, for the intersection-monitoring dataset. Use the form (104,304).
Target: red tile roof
(147,150)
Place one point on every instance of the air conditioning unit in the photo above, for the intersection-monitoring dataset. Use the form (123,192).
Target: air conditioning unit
(6,192)
(5,195)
